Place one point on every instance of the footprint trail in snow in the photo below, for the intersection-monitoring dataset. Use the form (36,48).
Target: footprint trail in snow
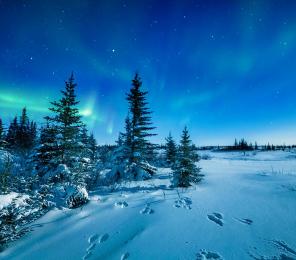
(93,240)
(217,218)
(147,210)
(184,202)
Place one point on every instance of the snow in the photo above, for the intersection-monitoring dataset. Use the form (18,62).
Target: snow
(7,199)
(244,208)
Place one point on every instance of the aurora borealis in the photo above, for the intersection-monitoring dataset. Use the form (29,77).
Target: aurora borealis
(225,68)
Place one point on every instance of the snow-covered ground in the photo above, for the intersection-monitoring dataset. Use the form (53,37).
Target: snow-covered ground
(245,208)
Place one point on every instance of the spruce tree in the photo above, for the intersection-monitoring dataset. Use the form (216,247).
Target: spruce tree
(48,152)
(11,137)
(256,146)
(26,133)
(170,150)
(185,172)
(93,148)
(122,153)
(85,144)
(68,123)
(2,134)
(141,124)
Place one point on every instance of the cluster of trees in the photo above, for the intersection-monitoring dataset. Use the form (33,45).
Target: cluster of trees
(242,145)
(21,134)
(57,163)
(135,154)
(182,158)
(64,140)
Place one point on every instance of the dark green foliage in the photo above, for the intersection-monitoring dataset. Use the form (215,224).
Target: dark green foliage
(170,150)
(21,135)
(67,121)
(2,135)
(93,148)
(242,145)
(11,137)
(141,124)
(5,174)
(26,133)
(185,172)
(48,151)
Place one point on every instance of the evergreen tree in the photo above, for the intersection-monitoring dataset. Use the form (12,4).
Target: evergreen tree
(2,134)
(256,146)
(141,124)
(185,172)
(85,143)
(235,143)
(68,123)
(11,137)
(170,150)
(48,152)
(122,153)
(26,133)
(93,148)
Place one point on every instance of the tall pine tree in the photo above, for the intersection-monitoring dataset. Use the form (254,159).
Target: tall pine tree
(185,172)
(141,124)
(68,123)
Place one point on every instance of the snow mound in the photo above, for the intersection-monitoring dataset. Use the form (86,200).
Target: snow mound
(76,196)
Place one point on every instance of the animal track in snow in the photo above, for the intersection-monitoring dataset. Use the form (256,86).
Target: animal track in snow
(147,210)
(93,238)
(184,202)
(87,255)
(285,252)
(103,238)
(245,221)
(125,256)
(217,218)
(91,247)
(207,255)
(284,247)
(121,204)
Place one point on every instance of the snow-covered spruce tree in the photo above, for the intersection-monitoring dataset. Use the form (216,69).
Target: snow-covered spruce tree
(68,123)
(85,165)
(185,172)
(170,150)
(141,127)
(121,154)
(47,152)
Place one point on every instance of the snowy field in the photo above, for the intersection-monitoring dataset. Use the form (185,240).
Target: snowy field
(245,208)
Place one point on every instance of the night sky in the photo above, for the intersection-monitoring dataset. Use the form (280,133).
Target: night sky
(225,69)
